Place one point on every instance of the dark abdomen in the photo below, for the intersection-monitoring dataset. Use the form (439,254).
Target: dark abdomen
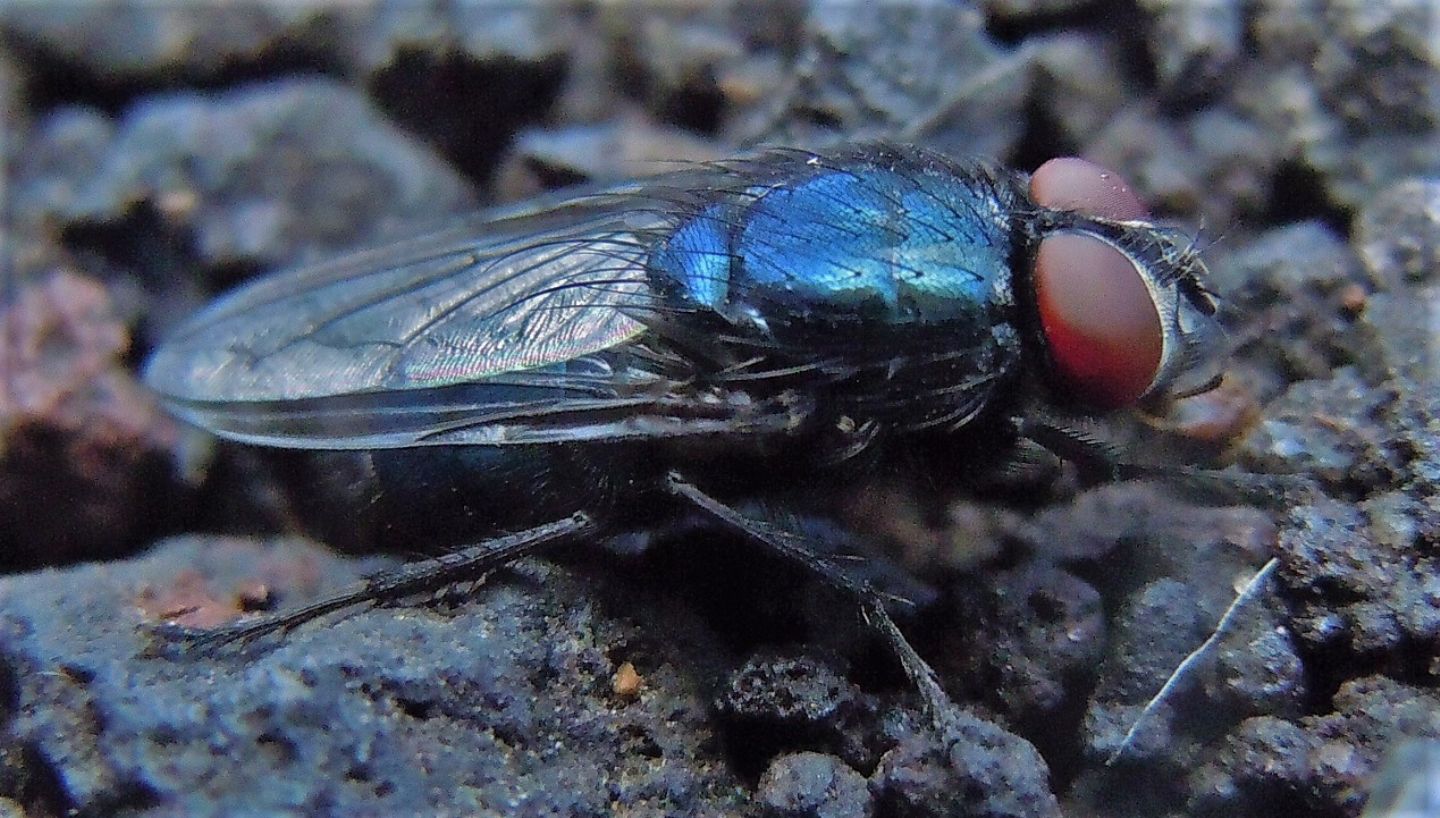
(434,498)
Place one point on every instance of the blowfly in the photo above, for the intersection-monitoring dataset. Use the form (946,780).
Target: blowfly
(577,368)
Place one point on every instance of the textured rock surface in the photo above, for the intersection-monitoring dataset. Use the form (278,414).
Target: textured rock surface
(501,707)
(85,462)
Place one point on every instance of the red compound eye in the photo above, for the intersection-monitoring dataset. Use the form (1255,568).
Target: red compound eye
(1099,320)
(1071,183)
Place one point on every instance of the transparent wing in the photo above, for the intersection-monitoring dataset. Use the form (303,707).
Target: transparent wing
(473,301)
(487,333)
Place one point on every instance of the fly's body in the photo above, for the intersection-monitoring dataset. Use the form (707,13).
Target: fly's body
(780,313)
(745,279)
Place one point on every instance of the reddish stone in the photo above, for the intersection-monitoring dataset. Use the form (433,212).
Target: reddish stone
(85,454)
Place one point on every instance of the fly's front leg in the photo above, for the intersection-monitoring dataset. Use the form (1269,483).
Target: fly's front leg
(941,710)
(423,576)
(1101,461)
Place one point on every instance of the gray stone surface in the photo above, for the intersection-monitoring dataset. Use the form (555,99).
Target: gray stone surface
(502,705)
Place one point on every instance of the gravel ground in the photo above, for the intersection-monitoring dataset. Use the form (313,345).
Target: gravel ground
(156,155)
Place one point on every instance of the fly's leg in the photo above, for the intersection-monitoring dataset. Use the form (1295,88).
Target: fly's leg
(418,577)
(942,711)
(1102,461)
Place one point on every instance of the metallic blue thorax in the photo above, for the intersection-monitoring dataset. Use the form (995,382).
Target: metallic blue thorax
(883,244)
(885,275)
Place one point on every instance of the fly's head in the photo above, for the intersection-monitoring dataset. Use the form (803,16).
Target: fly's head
(1120,305)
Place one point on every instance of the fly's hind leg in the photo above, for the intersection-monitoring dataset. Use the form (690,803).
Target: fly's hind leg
(423,576)
(941,710)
